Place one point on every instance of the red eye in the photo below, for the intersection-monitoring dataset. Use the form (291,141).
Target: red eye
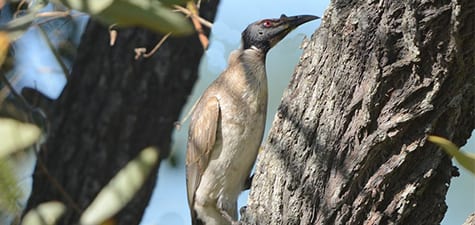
(267,23)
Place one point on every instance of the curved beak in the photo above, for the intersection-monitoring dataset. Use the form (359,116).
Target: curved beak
(295,21)
(287,24)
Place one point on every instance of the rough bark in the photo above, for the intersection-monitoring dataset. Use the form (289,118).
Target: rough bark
(113,107)
(470,220)
(348,144)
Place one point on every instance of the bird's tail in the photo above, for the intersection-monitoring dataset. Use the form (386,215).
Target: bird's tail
(194,219)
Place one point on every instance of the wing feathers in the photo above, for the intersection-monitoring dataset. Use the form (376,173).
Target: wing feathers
(201,140)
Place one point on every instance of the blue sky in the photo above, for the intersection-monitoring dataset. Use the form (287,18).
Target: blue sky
(169,205)
(36,65)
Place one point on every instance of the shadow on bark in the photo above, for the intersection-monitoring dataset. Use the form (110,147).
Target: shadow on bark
(113,107)
(348,143)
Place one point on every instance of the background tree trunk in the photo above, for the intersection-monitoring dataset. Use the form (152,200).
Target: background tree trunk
(348,144)
(113,107)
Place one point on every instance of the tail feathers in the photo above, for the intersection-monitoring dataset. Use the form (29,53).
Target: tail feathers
(194,219)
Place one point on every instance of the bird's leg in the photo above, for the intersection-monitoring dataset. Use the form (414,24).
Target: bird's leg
(225,207)
(226,216)
(247,184)
(242,210)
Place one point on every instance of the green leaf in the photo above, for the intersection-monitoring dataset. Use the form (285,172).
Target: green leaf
(151,14)
(466,160)
(15,135)
(121,189)
(10,193)
(45,214)
(174,2)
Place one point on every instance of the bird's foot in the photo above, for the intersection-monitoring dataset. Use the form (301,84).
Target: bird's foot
(242,210)
(229,218)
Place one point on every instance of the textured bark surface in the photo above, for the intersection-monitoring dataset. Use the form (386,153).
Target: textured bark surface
(113,107)
(348,144)
(470,220)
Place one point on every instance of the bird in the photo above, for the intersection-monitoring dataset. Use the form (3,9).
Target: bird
(227,124)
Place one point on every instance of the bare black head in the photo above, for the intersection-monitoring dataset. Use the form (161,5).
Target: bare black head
(265,34)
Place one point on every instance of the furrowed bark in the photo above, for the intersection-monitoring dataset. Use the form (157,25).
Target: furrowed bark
(348,144)
(112,108)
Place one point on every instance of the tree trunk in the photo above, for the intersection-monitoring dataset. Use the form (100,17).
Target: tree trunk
(470,220)
(113,107)
(348,144)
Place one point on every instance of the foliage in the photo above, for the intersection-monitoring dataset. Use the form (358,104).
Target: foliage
(23,134)
(466,160)
(45,214)
(120,190)
(10,193)
(112,198)
(151,14)
(15,136)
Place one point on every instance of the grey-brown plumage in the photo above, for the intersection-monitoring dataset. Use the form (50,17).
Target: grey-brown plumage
(228,123)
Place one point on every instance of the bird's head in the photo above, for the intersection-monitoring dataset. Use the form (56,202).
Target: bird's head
(265,34)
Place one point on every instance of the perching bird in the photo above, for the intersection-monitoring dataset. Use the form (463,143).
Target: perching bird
(228,123)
